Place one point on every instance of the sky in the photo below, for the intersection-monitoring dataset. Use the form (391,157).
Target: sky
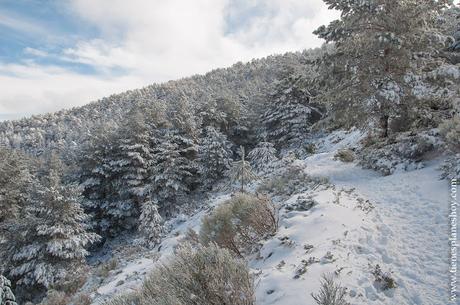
(57,54)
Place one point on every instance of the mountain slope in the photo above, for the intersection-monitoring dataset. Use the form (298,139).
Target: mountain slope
(359,219)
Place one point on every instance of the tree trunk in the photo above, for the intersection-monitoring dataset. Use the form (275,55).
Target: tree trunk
(384,125)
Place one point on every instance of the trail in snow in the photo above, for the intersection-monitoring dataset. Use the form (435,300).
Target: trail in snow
(412,226)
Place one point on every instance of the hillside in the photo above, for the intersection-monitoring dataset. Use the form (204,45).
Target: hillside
(326,176)
(248,83)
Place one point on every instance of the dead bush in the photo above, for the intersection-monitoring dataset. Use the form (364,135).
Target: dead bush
(345,155)
(203,276)
(240,223)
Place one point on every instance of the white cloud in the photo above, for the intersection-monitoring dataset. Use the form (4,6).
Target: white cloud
(35,52)
(28,89)
(157,40)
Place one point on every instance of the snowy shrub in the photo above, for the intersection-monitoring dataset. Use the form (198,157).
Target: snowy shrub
(82,299)
(383,280)
(450,130)
(450,169)
(203,276)
(127,299)
(191,238)
(6,295)
(331,292)
(73,281)
(240,223)
(54,297)
(105,268)
(345,155)
(291,180)
(404,151)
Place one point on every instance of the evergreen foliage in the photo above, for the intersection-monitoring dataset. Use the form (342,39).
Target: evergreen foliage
(263,157)
(151,223)
(290,112)
(241,172)
(54,234)
(214,155)
(380,48)
(6,295)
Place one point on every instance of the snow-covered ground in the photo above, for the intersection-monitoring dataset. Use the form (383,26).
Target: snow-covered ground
(361,219)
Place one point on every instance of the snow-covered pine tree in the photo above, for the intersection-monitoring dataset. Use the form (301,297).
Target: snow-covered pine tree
(129,164)
(150,222)
(95,177)
(14,180)
(263,157)
(214,155)
(241,171)
(6,295)
(378,43)
(290,112)
(174,170)
(54,234)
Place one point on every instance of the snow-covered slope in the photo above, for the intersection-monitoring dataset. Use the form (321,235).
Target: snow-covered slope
(358,220)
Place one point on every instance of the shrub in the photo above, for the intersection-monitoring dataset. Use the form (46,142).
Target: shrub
(292,179)
(191,238)
(127,299)
(240,223)
(203,276)
(106,267)
(383,279)
(345,155)
(73,281)
(450,169)
(54,297)
(330,293)
(450,130)
(82,299)
(403,151)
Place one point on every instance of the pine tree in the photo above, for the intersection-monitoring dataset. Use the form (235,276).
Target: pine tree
(214,155)
(6,295)
(263,156)
(14,180)
(54,233)
(378,44)
(241,172)
(173,171)
(150,222)
(129,163)
(290,112)
(95,177)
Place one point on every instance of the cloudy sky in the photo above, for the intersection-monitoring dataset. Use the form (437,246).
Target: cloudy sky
(61,53)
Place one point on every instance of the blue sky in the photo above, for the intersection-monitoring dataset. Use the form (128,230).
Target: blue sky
(56,54)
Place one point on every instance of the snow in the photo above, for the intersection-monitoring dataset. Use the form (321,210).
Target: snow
(361,219)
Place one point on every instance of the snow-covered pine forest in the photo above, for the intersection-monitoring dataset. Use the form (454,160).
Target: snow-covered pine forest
(315,177)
